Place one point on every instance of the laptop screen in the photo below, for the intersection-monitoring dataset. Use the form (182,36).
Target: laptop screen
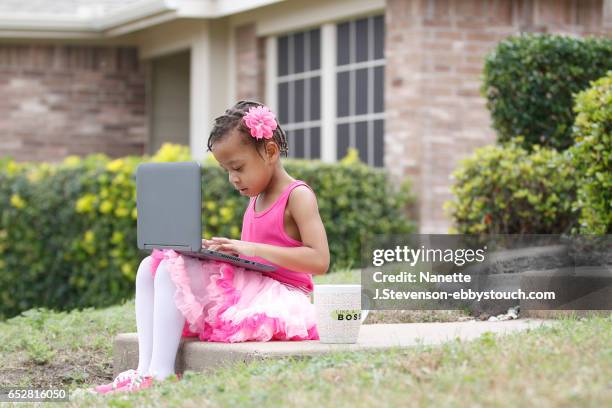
(169,205)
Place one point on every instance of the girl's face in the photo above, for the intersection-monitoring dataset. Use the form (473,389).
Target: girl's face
(248,172)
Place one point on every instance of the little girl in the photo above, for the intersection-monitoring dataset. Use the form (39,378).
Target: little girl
(220,302)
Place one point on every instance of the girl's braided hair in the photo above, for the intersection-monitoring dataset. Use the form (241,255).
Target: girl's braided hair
(232,119)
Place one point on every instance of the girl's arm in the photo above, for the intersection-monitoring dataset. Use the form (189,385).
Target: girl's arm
(312,257)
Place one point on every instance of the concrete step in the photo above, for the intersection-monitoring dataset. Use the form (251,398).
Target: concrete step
(575,288)
(197,355)
(558,314)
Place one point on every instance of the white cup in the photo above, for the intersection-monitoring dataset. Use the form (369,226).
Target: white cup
(338,312)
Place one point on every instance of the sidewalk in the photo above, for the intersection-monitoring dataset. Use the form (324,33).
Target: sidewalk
(196,355)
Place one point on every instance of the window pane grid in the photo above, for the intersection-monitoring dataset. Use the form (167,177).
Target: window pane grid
(302,125)
(358,65)
(302,75)
(298,89)
(357,118)
(360,86)
(359,78)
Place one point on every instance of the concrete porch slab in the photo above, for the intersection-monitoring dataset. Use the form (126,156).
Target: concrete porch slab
(197,355)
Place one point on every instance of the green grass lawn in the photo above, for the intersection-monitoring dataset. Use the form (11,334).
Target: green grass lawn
(569,364)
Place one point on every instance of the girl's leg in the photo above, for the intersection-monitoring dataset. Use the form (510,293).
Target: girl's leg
(144,313)
(168,323)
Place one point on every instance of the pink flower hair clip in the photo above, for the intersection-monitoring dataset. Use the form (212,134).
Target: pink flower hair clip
(261,122)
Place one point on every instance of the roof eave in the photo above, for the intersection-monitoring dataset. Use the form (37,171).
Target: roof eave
(126,20)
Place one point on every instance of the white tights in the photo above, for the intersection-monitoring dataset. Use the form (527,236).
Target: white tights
(158,321)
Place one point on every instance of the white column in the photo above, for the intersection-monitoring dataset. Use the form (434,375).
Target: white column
(231,67)
(328,92)
(271,73)
(200,112)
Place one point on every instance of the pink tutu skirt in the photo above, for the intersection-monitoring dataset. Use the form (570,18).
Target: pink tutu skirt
(229,304)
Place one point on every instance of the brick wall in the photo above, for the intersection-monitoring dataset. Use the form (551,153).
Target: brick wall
(60,100)
(250,60)
(435,52)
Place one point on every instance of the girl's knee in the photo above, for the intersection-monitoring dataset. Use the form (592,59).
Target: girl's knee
(163,271)
(146,261)
(144,269)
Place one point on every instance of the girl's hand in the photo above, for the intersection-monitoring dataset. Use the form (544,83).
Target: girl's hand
(233,246)
(209,244)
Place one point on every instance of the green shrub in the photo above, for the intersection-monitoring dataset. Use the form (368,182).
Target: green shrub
(591,156)
(529,82)
(504,189)
(68,231)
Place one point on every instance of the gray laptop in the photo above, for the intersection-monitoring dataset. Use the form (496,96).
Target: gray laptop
(169,205)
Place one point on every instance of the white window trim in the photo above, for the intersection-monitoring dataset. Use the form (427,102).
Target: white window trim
(271,73)
(328,93)
(328,71)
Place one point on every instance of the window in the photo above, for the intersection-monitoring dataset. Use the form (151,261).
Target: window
(299,92)
(348,59)
(360,88)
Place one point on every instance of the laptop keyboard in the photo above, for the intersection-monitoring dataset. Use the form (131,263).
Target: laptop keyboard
(231,257)
(300,288)
(234,258)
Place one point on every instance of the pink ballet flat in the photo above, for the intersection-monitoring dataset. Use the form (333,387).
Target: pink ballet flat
(142,382)
(138,383)
(124,378)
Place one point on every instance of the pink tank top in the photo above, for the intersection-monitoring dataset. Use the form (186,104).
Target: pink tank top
(267,227)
